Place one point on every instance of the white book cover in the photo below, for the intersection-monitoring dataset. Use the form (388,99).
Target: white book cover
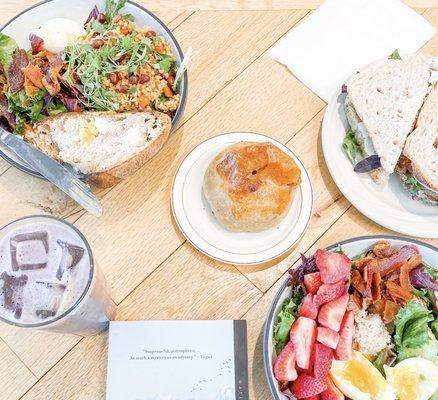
(177,360)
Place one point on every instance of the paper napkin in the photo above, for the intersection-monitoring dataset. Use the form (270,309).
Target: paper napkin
(342,36)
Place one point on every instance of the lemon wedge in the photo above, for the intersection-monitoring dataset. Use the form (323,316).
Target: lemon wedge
(359,379)
(413,378)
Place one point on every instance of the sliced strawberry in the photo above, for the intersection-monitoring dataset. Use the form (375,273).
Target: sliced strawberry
(344,350)
(312,282)
(329,292)
(332,392)
(331,314)
(303,335)
(308,308)
(312,397)
(323,361)
(327,336)
(332,266)
(307,386)
(284,367)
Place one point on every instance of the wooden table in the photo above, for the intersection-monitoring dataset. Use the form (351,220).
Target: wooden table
(153,271)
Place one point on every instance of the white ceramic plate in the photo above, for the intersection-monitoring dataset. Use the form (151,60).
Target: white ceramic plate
(78,10)
(353,248)
(195,220)
(390,206)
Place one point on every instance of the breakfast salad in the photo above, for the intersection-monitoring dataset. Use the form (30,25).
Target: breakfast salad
(107,64)
(362,329)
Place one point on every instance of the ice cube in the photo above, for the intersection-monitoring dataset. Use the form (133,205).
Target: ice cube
(47,298)
(29,250)
(11,293)
(71,255)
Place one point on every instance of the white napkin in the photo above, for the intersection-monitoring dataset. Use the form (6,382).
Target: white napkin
(343,35)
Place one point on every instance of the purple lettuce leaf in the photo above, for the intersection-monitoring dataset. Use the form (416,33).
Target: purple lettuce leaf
(420,278)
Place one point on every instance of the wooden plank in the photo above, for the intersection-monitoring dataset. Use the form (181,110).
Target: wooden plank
(15,378)
(11,7)
(329,204)
(39,350)
(141,203)
(188,286)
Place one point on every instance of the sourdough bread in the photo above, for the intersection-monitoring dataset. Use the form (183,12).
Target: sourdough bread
(104,146)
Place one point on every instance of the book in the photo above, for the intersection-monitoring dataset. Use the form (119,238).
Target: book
(177,360)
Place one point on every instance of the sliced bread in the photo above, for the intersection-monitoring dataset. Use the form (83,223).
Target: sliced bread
(105,147)
(387,97)
(422,144)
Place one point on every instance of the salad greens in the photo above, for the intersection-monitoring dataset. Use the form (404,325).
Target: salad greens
(394,55)
(350,146)
(8,47)
(286,318)
(413,334)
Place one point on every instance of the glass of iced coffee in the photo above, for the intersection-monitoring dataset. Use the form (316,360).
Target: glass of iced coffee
(49,279)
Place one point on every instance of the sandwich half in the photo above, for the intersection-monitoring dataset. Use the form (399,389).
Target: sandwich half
(382,105)
(104,147)
(418,166)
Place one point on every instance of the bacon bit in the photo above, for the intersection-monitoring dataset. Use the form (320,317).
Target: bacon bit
(51,81)
(379,307)
(357,281)
(382,249)
(361,264)
(15,74)
(357,299)
(406,268)
(397,292)
(391,310)
(34,74)
(160,48)
(30,90)
(375,287)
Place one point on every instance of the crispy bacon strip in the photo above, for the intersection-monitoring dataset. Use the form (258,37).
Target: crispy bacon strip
(382,249)
(406,268)
(390,311)
(51,80)
(34,75)
(30,90)
(397,292)
(357,281)
(375,287)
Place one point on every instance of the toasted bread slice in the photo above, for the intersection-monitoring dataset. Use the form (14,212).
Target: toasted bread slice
(104,146)
(422,144)
(387,98)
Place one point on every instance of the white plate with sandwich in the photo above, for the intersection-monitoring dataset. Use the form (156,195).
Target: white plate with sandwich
(380,138)
(242,198)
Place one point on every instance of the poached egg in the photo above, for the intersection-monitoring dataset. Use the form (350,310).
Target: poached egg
(57,33)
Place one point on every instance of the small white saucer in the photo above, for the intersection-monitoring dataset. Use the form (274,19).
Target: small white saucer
(196,221)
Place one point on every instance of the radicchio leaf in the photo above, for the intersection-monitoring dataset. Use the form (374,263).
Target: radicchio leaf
(5,114)
(307,266)
(93,15)
(368,164)
(36,43)
(420,278)
(72,103)
(47,100)
(15,74)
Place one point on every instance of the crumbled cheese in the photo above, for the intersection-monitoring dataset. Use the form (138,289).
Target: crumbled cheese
(371,334)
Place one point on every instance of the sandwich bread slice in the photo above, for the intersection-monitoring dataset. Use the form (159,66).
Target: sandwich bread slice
(418,167)
(105,147)
(382,104)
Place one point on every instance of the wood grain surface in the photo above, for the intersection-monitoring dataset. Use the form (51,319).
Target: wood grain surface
(153,271)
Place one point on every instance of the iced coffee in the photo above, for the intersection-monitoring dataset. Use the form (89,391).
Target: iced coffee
(48,278)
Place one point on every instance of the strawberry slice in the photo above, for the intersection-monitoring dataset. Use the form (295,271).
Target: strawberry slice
(323,361)
(327,336)
(332,266)
(344,349)
(329,292)
(332,392)
(284,367)
(303,335)
(308,308)
(312,282)
(307,386)
(312,397)
(331,314)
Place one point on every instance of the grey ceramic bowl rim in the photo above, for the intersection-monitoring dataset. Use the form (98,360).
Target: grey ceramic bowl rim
(266,330)
(184,87)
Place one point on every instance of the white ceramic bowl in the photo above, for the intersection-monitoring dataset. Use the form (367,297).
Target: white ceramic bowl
(78,10)
(352,247)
